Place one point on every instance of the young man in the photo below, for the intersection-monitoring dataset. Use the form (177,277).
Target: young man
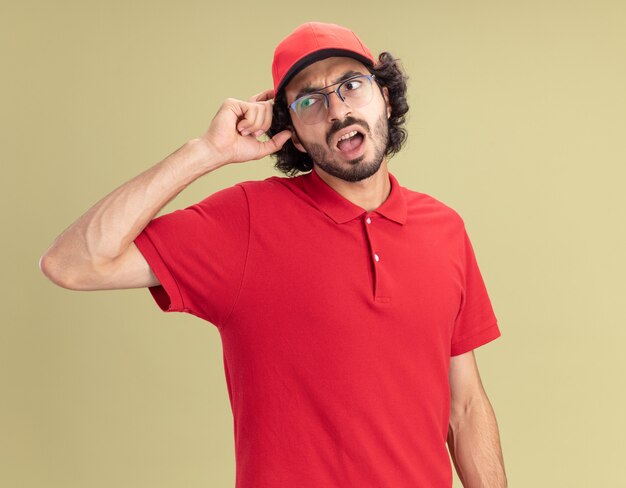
(348,306)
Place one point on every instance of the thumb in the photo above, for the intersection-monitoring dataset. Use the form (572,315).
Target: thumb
(275,143)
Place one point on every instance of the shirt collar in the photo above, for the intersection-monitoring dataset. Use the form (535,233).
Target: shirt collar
(342,210)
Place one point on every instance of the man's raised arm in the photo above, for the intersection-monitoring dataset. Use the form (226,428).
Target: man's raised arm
(97,251)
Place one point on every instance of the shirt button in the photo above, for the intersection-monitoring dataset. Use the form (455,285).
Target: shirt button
(376,257)
(368,220)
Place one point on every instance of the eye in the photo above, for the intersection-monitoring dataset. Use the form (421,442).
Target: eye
(352,85)
(307,102)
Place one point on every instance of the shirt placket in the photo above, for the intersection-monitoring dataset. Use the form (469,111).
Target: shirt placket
(377,261)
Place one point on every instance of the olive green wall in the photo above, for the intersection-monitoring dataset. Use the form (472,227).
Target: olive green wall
(518,121)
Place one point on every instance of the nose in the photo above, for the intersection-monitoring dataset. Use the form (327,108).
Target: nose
(337,108)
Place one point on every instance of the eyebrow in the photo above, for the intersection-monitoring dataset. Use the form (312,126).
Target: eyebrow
(308,88)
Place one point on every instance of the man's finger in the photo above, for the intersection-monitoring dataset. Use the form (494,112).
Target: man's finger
(275,143)
(263,96)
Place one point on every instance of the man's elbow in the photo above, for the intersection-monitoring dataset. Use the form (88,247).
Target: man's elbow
(62,274)
(52,270)
(471,405)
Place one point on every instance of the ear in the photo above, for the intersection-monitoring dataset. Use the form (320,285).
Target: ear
(386,97)
(296,141)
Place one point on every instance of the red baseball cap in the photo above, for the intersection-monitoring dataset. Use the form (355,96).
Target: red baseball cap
(312,42)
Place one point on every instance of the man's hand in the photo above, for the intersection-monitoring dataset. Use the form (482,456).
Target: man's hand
(235,128)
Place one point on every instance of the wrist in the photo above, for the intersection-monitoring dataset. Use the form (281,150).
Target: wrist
(209,152)
(202,156)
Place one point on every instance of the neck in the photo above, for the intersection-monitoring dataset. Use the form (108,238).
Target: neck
(368,194)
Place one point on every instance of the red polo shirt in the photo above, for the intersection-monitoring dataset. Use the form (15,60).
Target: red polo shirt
(337,326)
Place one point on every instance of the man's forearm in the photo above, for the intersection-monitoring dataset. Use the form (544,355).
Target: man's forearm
(474,444)
(108,228)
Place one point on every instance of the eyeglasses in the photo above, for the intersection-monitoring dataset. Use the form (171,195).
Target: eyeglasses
(313,107)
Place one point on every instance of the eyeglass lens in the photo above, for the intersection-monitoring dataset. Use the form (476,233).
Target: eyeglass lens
(356,92)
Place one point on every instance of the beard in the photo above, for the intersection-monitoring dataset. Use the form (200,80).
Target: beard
(358,169)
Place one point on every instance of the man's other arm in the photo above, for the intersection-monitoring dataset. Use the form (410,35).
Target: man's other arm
(97,251)
(473,438)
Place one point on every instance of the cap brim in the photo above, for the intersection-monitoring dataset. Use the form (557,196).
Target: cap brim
(318,56)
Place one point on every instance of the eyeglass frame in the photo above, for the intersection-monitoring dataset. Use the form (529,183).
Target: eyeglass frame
(370,77)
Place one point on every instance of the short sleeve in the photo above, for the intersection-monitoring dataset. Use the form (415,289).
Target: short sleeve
(199,255)
(476,323)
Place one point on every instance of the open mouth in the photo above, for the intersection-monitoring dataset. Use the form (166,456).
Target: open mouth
(350,143)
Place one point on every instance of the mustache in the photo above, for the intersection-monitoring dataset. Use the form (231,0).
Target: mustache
(338,125)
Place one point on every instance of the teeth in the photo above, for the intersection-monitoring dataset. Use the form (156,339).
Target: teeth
(348,135)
